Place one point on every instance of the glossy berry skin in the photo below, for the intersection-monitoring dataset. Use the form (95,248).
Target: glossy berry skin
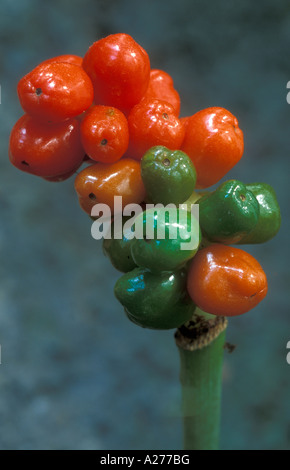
(214,142)
(161,87)
(47,150)
(153,122)
(118,250)
(119,69)
(168,175)
(155,301)
(55,91)
(226,281)
(105,134)
(269,216)
(162,248)
(99,183)
(229,213)
(68,58)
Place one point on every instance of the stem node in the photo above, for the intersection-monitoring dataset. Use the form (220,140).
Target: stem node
(201,346)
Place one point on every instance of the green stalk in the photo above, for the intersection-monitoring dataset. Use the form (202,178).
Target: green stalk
(201,345)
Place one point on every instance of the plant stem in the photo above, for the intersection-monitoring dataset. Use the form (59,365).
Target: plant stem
(201,345)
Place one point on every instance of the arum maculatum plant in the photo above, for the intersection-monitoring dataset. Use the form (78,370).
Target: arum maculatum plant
(112,121)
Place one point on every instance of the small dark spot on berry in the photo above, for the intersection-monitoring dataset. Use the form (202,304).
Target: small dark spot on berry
(166,162)
(38,91)
(104,142)
(92,196)
(25,163)
(242,197)
(110,112)
(165,116)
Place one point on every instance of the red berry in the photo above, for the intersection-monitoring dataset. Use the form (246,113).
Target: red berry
(153,122)
(119,69)
(214,142)
(46,150)
(105,134)
(161,87)
(55,91)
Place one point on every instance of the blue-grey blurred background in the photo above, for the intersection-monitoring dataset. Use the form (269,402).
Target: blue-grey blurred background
(75,374)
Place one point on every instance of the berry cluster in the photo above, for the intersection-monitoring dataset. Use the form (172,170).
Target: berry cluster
(111,112)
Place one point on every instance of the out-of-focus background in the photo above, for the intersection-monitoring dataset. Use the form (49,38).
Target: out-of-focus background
(75,373)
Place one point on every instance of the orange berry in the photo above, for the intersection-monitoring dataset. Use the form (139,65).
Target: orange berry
(226,281)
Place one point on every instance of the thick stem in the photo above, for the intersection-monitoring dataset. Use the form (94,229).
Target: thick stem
(201,345)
